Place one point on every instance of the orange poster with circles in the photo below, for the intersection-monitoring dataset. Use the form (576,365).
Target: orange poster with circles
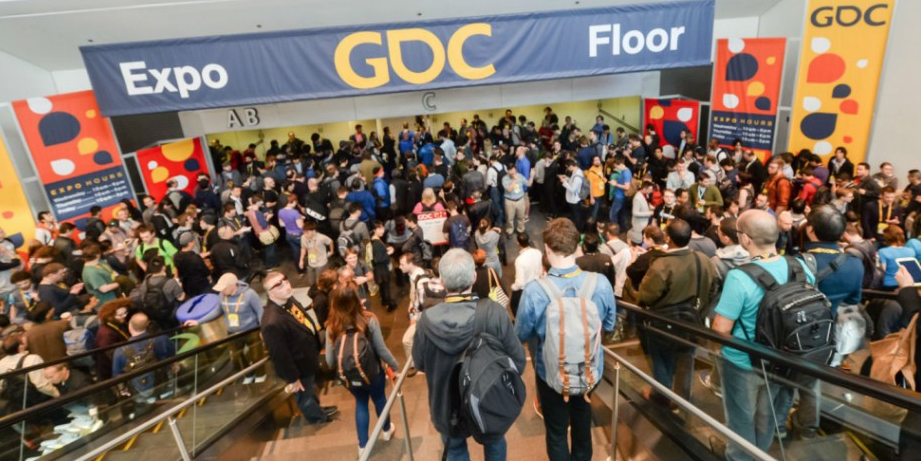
(16,218)
(75,153)
(844,44)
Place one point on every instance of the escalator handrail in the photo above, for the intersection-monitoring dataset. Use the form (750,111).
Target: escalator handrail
(746,445)
(69,358)
(904,398)
(169,413)
(868,295)
(22,415)
(379,427)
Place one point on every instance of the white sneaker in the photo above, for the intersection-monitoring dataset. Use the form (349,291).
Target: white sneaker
(248,380)
(260,379)
(388,434)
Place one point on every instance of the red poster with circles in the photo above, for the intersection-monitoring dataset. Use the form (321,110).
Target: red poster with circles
(181,160)
(75,154)
(670,117)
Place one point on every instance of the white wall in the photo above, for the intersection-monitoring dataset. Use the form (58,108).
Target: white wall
(895,125)
(23,80)
(70,81)
(733,28)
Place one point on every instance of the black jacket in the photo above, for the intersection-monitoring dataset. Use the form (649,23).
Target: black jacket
(192,272)
(226,257)
(443,333)
(293,348)
(598,263)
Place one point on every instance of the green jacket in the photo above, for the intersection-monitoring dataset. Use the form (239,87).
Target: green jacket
(712,197)
(672,279)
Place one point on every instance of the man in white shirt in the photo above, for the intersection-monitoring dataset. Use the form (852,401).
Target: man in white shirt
(681,178)
(620,255)
(528,267)
(448,147)
(573,184)
(408,266)
(495,191)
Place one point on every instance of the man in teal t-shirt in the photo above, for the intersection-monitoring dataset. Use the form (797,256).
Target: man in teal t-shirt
(745,393)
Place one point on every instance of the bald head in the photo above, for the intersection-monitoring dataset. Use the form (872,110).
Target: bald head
(138,324)
(759,226)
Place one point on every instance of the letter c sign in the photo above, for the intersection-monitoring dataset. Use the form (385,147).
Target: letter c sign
(453,55)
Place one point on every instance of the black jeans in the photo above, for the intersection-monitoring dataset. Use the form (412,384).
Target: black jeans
(309,402)
(382,279)
(558,416)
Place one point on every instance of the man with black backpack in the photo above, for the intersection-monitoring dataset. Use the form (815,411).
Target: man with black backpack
(135,356)
(564,389)
(468,349)
(749,298)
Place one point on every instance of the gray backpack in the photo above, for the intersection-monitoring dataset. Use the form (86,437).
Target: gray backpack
(574,330)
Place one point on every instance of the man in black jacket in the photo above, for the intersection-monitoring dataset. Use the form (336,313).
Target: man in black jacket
(592,260)
(291,336)
(443,333)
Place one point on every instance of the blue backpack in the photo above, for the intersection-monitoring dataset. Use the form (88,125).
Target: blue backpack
(459,234)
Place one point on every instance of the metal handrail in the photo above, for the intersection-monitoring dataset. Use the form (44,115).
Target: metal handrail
(379,427)
(69,358)
(169,413)
(749,448)
(22,415)
(897,396)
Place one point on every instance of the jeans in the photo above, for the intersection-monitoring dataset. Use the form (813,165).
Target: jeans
(309,402)
(806,419)
(597,207)
(456,449)
(294,241)
(575,213)
(560,415)
(748,402)
(665,359)
(382,278)
(497,205)
(614,213)
(374,391)
(271,254)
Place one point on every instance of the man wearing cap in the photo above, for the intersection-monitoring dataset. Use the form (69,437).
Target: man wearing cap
(291,335)
(242,311)
(190,267)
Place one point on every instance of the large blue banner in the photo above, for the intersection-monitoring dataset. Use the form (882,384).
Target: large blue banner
(207,72)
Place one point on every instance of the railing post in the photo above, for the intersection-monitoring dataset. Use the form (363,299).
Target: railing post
(178,438)
(407,442)
(616,411)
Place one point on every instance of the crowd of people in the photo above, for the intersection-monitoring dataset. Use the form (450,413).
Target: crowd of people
(670,228)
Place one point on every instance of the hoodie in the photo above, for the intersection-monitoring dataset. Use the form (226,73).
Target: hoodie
(242,310)
(443,333)
(727,258)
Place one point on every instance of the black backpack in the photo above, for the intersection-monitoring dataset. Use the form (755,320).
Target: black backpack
(460,234)
(500,174)
(794,317)
(153,300)
(490,391)
(357,361)
(94,228)
(135,360)
(873,273)
(347,238)
(14,391)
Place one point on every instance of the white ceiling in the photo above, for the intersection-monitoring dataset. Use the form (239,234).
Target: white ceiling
(48,33)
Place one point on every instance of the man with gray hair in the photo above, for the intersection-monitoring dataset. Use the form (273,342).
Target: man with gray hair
(443,333)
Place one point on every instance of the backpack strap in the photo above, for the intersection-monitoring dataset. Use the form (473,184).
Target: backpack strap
(831,267)
(795,271)
(549,288)
(481,316)
(339,358)
(763,278)
(588,286)
(588,339)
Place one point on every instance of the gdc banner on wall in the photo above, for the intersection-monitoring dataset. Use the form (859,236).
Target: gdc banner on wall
(205,72)
(74,152)
(746,88)
(844,44)
(181,160)
(670,116)
(16,219)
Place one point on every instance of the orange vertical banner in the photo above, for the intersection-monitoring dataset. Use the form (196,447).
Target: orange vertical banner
(16,218)
(841,59)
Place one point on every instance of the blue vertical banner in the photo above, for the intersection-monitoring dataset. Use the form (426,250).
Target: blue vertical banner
(208,72)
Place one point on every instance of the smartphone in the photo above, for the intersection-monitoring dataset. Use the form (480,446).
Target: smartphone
(914,268)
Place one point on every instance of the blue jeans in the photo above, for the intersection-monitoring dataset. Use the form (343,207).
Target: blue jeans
(456,449)
(665,359)
(309,402)
(294,241)
(498,207)
(375,391)
(807,416)
(747,401)
(614,213)
(271,254)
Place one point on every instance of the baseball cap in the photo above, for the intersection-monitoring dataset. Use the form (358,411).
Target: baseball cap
(226,280)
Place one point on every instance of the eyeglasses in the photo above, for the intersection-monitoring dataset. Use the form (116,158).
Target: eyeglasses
(281,282)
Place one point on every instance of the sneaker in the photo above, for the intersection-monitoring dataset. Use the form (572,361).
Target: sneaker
(411,372)
(537,409)
(248,380)
(704,378)
(388,434)
(260,379)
